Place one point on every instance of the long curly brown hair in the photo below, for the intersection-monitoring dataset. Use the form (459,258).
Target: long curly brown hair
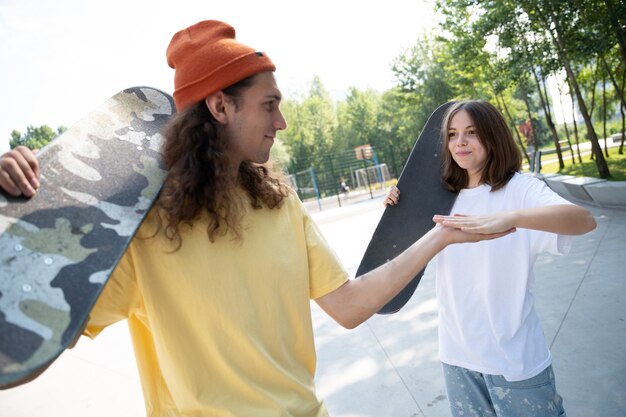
(199,180)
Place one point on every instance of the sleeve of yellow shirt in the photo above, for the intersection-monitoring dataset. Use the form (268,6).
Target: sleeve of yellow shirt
(326,273)
(117,298)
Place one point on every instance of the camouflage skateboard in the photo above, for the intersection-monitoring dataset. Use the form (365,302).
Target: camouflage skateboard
(422,196)
(98,181)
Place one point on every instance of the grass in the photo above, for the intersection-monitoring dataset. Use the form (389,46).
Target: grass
(615,162)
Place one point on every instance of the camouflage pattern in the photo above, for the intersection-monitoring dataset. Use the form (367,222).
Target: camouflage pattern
(98,181)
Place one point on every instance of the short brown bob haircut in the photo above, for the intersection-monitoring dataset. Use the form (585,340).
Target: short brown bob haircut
(503,156)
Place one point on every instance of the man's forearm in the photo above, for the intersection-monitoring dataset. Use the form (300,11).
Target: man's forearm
(358,299)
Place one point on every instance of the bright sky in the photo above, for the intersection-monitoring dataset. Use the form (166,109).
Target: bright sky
(63,58)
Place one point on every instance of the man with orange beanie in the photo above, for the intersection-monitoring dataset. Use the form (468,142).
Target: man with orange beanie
(216,288)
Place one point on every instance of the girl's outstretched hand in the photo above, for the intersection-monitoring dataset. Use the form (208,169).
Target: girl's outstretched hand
(453,235)
(496,223)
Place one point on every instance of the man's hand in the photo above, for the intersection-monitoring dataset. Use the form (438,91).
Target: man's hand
(19,172)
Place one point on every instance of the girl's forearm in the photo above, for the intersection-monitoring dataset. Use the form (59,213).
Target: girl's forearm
(565,219)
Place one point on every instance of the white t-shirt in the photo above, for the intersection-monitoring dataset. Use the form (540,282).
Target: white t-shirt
(487,318)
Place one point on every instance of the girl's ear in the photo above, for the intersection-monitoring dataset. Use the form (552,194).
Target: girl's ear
(216,103)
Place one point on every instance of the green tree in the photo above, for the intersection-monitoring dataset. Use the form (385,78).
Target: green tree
(423,85)
(616,15)
(311,123)
(423,76)
(357,119)
(396,131)
(534,37)
(568,32)
(496,43)
(35,137)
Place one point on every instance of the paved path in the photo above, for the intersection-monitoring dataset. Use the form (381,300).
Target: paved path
(388,366)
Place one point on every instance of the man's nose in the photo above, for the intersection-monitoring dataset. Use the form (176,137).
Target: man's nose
(280,123)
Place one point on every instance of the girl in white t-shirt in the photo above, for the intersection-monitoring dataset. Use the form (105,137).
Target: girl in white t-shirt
(495,358)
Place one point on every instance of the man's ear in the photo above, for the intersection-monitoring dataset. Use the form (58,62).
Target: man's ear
(216,103)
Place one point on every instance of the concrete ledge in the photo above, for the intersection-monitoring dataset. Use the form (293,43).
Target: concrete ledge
(555,181)
(577,187)
(594,191)
(608,193)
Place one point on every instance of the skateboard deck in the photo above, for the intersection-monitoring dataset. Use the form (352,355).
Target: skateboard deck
(98,181)
(422,196)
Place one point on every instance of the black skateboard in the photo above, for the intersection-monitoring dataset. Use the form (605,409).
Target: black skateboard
(57,249)
(423,196)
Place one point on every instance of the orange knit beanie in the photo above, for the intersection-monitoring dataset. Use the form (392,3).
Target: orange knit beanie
(207,59)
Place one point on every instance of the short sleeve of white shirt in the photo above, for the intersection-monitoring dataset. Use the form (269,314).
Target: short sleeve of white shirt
(537,194)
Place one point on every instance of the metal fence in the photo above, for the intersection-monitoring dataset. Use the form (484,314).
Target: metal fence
(343,174)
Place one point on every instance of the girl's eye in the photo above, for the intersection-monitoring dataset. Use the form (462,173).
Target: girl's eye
(270,105)
(471,132)
(451,135)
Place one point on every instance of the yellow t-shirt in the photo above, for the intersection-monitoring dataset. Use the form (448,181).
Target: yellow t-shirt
(224,328)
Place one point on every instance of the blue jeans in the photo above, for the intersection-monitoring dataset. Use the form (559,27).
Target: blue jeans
(472,394)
